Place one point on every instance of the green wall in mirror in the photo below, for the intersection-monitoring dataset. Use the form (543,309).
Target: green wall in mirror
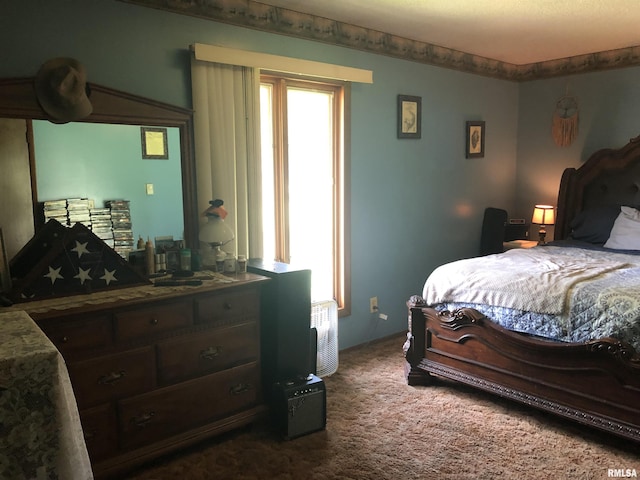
(104,162)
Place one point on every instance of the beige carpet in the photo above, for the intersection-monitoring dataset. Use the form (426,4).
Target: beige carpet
(380,428)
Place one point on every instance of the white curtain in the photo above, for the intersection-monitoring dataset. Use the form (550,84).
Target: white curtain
(226,102)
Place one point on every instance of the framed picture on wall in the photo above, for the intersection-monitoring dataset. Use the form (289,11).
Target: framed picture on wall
(475,140)
(154,143)
(409,116)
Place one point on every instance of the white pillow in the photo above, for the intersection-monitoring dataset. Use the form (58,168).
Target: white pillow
(625,234)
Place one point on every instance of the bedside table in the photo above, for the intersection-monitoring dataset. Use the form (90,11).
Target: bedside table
(519,244)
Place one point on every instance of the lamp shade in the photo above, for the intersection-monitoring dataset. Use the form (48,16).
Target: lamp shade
(543,215)
(215,232)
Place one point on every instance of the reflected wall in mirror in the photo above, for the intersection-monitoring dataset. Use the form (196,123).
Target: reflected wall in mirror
(16,200)
(105,162)
(22,157)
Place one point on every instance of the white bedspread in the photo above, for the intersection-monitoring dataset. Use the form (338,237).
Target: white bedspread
(536,280)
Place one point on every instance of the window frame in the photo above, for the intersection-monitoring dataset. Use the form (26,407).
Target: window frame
(341,167)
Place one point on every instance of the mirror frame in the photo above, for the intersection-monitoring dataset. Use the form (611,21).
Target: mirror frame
(18,100)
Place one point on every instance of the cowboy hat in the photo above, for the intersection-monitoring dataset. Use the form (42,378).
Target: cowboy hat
(61,89)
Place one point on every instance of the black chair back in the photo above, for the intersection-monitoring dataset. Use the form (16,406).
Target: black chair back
(493,226)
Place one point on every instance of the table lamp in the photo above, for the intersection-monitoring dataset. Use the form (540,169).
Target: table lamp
(543,215)
(216,232)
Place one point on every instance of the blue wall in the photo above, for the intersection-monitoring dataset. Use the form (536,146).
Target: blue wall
(104,162)
(414,203)
(609,106)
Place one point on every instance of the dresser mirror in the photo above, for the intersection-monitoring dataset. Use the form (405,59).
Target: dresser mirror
(28,141)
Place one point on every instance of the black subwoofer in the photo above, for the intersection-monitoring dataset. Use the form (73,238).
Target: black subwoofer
(299,406)
(285,320)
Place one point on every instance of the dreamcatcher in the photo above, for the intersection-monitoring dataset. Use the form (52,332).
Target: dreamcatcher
(565,121)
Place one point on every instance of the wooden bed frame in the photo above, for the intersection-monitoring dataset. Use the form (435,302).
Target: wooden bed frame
(596,383)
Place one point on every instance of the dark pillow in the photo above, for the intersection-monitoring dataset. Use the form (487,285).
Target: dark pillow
(594,224)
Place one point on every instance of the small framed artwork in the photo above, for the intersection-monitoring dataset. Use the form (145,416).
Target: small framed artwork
(475,139)
(409,116)
(154,143)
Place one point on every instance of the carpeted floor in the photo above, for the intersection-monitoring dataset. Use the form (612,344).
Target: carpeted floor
(380,428)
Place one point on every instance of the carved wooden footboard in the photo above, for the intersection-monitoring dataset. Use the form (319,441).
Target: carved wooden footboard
(597,383)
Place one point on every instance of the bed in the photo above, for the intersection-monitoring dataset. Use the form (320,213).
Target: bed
(555,327)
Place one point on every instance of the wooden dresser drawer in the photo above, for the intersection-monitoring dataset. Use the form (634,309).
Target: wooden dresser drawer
(77,335)
(205,352)
(145,418)
(157,369)
(110,377)
(228,307)
(153,319)
(99,426)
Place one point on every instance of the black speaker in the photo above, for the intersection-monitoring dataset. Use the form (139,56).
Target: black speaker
(313,350)
(285,303)
(300,406)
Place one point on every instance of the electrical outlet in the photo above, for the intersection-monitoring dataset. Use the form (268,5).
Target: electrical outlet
(373,304)
(149,188)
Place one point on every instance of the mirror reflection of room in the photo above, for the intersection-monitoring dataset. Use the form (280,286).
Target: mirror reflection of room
(103,162)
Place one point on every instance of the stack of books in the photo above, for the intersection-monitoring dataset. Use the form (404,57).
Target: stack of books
(57,210)
(78,211)
(101,224)
(122,228)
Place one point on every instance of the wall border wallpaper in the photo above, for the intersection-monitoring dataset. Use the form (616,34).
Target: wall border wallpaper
(251,14)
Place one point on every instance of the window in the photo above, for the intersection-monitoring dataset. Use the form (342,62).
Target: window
(303,180)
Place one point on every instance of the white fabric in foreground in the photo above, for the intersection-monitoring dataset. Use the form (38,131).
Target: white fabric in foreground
(535,280)
(625,234)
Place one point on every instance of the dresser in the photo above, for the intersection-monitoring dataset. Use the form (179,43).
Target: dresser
(157,368)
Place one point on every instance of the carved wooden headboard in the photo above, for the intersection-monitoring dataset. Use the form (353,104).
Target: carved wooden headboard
(609,177)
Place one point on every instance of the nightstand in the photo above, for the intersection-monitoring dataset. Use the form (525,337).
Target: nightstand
(519,244)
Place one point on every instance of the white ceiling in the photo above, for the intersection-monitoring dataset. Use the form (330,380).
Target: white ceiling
(514,31)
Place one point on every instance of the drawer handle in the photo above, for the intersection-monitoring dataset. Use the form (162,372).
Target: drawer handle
(227,306)
(153,321)
(111,378)
(240,388)
(64,339)
(143,419)
(211,352)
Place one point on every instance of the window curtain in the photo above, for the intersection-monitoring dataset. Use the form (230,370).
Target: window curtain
(227,148)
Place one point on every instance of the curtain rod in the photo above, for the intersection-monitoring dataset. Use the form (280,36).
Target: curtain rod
(245,58)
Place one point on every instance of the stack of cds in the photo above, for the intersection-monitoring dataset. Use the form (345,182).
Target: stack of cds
(101,224)
(112,224)
(57,210)
(78,211)
(122,228)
